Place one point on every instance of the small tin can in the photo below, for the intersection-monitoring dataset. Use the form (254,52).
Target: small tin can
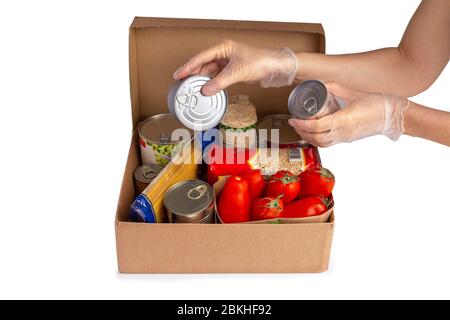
(287,136)
(192,108)
(312,100)
(144,175)
(190,201)
(155,135)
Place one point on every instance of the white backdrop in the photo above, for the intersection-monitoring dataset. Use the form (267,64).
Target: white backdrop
(65,125)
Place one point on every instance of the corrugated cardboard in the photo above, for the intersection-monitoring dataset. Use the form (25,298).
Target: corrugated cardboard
(157,48)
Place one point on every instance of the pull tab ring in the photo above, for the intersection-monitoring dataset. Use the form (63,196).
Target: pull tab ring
(197,192)
(149,174)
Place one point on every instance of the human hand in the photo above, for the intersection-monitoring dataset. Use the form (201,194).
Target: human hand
(231,62)
(365,115)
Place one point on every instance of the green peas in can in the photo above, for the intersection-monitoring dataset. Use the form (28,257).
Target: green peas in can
(155,137)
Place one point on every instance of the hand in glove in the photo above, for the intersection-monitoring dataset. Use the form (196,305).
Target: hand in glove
(365,115)
(231,62)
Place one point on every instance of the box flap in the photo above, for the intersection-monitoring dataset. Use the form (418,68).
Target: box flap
(158,46)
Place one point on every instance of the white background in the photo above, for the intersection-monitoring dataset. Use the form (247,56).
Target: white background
(65,125)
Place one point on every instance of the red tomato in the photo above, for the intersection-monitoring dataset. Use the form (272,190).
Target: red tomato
(256,183)
(316,182)
(266,208)
(307,207)
(234,201)
(283,183)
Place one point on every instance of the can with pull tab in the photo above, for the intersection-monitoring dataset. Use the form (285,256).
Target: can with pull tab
(190,201)
(156,141)
(312,100)
(144,175)
(192,108)
(287,136)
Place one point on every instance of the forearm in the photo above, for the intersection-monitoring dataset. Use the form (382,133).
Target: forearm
(430,124)
(383,71)
(405,70)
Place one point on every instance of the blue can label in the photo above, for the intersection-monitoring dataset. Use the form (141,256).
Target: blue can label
(141,210)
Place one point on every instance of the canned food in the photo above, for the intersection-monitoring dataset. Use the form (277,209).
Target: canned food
(190,201)
(144,175)
(155,135)
(192,108)
(312,100)
(287,136)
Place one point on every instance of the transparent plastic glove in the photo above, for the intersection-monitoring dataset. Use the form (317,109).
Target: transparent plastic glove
(231,62)
(365,115)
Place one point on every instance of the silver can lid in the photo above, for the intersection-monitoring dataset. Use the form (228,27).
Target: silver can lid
(147,172)
(158,129)
(286,135)
(193,109)
(189,201)
(307,99)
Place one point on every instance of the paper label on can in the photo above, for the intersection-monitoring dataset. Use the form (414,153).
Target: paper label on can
(141,210)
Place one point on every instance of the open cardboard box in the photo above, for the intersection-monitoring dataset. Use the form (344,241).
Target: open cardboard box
(157,48)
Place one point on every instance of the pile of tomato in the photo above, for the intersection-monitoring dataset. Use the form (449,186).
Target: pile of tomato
(252,196)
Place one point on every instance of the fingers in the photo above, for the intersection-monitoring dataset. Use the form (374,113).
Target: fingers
(197,61)
(316,131)
(313,126)
(210,69)
(221,81)
(324,139)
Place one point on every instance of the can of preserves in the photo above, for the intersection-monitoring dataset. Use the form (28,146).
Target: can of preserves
(155,135)
(312,100)
(192,108)
(190,201)
(287,136)
(144,175)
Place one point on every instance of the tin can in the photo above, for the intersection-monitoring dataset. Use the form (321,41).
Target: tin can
(192,108)
(287,136)
(155,135)
(312,100)
(190,201)
(144,175)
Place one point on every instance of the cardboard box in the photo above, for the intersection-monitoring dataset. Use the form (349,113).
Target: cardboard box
(157,48)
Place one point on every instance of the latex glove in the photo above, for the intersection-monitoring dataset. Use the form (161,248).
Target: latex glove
(231,62)
(364,115)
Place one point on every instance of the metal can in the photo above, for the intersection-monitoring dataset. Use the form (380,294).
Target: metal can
(144,175)
(190,201)
(192,108)
(312,100)
(155,135)
(287,136)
